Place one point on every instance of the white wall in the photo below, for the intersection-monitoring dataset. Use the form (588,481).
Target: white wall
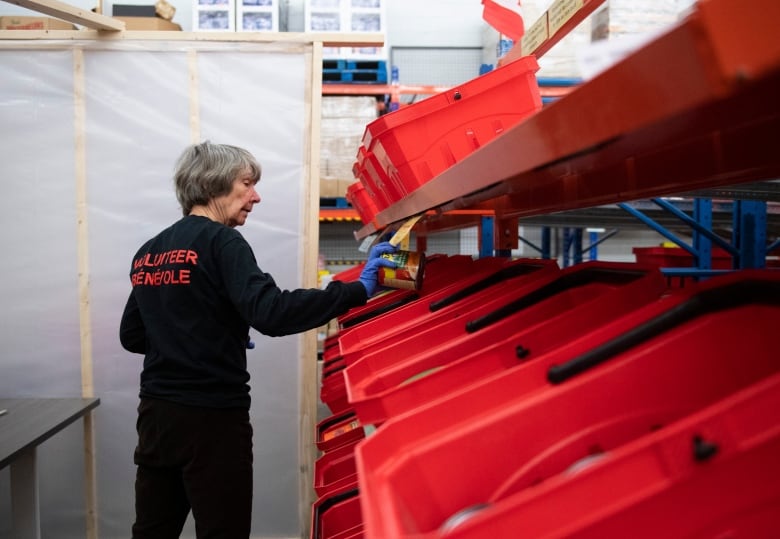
(137,108)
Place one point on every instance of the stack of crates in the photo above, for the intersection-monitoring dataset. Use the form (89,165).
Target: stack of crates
(235,15)
(591,401)
(402,150)
(350,64)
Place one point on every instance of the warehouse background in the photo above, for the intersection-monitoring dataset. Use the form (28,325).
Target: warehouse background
(432,42)
(448,43)
(443,43)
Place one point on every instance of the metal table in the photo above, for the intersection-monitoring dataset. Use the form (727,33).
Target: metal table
(25,424)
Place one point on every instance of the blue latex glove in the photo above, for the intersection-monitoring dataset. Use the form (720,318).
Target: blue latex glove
(381,248)
(375,261)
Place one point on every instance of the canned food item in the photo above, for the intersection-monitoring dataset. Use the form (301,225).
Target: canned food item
(408,274)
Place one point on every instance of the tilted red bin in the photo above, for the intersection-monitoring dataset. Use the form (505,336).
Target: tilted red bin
(450,303)
(547,312)
(333,390)
(338,430)
(665,423)
(337,516)
(439,275)
(494,276)
(420,141)
(362,202)
(335,470)
(439,272)
(494,273)
(698,478)
(371,174)
(394,310)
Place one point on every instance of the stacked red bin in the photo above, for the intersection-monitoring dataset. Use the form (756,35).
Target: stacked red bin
(404,149)
(538,402)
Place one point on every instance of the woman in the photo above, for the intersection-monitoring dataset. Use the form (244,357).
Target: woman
(196,290)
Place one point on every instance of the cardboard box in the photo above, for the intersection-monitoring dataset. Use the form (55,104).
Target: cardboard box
(344,120)
(13,22)
(148,23)
(334,187)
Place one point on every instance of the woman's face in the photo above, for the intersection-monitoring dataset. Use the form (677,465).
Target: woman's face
(235,206)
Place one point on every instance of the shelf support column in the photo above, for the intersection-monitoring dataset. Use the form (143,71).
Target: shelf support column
(702,214)
(546,241)
(750,233)
(572,246)
(595,241)
(486,233)
(593,250)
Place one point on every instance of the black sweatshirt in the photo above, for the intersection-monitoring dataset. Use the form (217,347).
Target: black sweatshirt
(196,290)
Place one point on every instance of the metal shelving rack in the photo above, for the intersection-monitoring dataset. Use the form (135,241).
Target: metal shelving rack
(694,110)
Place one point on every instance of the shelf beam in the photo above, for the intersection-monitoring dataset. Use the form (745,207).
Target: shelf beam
(69,13)
(287,40)
(329,88)
(338,214)
(696,108)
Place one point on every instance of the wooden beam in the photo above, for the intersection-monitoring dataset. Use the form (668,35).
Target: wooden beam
(69,13)
(85,313)
(302,38)
(307,449)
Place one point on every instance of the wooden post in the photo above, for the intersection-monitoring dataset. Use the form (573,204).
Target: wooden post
(85,321)
(307,452)
(192,68)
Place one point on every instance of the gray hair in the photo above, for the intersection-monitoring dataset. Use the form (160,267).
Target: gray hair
(205,171)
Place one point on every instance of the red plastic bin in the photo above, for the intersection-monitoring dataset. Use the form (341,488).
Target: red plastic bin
(420,141)
(335,470)
(362,202)
(486,272)
(494,272)
(387,332)
(429,334)
(337,516)
(434,377)
(672,410)
(349,274)
(677,257)
(333,389)
(438,271)
(578,288)
(338,430)
(698,478)
(441,272)
(378,185)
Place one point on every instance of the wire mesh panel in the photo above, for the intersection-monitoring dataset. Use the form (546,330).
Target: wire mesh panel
(436,66)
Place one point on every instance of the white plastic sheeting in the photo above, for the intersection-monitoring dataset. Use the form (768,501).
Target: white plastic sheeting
(143,103)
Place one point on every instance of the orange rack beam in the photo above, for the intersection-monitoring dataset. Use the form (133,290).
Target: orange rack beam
(378,89)
(382,89)
(338,214)
(695,108)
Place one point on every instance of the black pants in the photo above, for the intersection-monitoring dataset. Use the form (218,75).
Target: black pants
(197,459)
